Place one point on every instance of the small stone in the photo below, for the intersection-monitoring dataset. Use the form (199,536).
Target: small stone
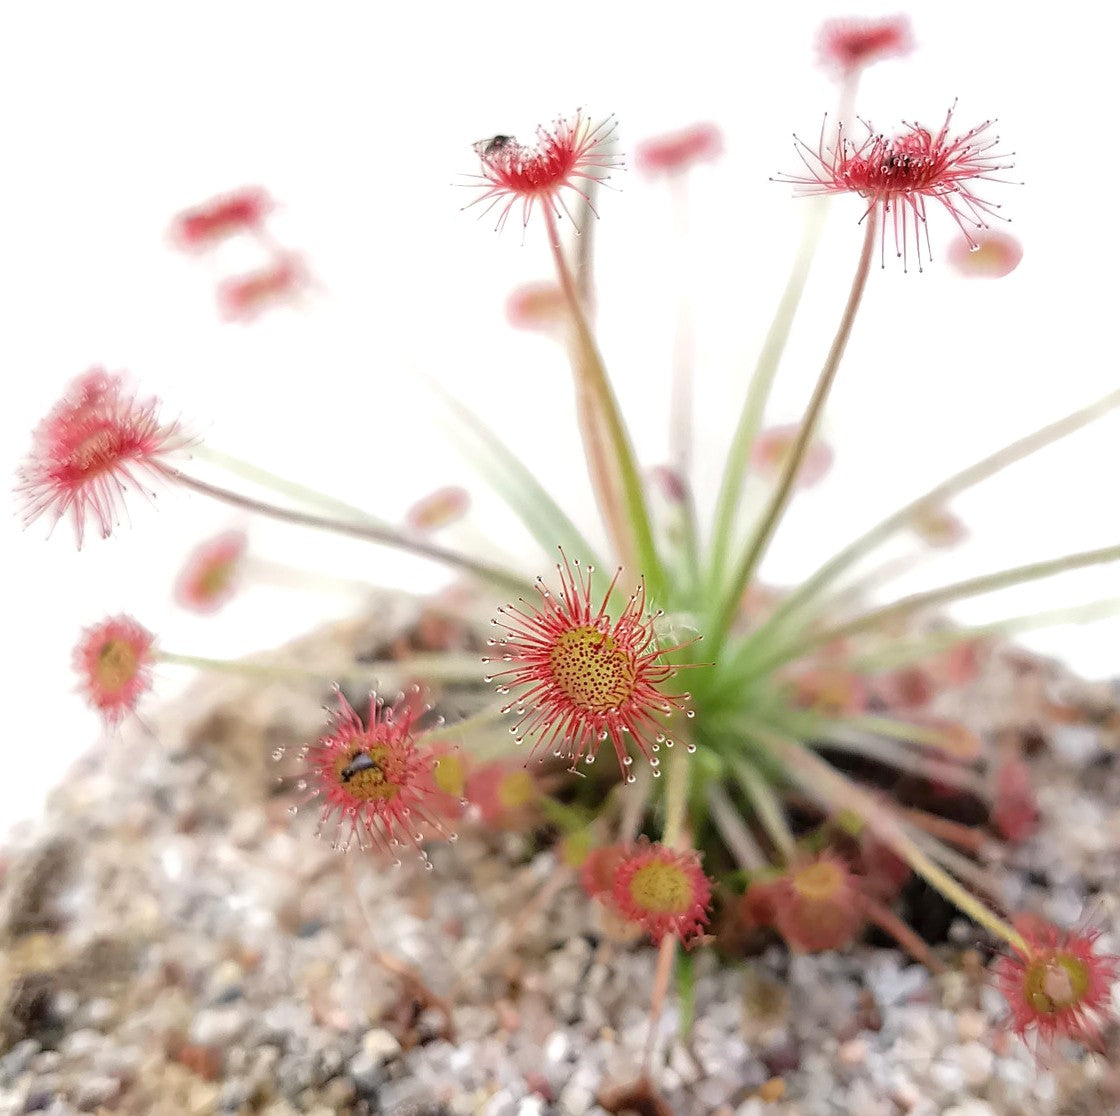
(381,1045)
(66,1003)
(955,988)
(47,1061)
(279,1108)
(100,1013)
(18,1058)
(202,1098)
(971,1107)
(947,1074)
(297,1072)
(976,1063)
(219,1026)
(853,1052)
(784,1057)
(575,1099)
(473,1021)
(339,1093)
(81,1044)
(971,1025)
(772,1090)
(906,1094)
(1077,744)
(94,1091)
(226,979)
(234,1094)
(367,1072)
(683,1064)
(557,1046)
(203,1061)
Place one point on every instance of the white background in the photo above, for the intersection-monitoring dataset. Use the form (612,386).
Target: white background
(359,118)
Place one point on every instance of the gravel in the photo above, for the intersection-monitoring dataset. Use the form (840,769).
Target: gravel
(175,942)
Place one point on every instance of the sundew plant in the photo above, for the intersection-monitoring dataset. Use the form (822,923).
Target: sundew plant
(699,744)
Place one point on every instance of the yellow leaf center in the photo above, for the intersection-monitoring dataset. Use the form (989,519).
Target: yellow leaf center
(1055,983)
(367,773)
(592,669)
(116,665)
(216,578)
(819,882)
(516,789)
(450,774)
(663,888)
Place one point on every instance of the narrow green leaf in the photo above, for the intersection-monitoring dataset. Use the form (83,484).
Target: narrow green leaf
(512,480)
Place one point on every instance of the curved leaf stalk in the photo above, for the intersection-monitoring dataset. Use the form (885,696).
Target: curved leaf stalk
(282,575)
(764,530)
(674,834)
(736,836)
(758,391)
(505,472)
(901,654)
(279,672)
(491,715)
(762,379)
(882,749)
(633,800)
(614,472)
(957,591)
(837,793)
(767,808)
(676,798)
(887,921)
(937,496)
(385,536)
(684,356)
(961,866)
(265,479)
(443,667)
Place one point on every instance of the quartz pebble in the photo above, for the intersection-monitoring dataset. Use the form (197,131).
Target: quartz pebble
(380,1045)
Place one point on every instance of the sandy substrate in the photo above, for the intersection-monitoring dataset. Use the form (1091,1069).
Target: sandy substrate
(176,942)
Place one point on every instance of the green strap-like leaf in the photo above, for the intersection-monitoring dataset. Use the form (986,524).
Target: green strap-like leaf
(508,476)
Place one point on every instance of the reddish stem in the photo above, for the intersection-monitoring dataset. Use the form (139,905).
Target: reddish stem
(954,833)
(890,923)
(367,531)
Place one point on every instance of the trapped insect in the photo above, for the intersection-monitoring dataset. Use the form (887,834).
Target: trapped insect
(493,145)
(359,763)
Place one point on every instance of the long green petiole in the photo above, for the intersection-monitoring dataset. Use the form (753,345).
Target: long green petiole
(265,479)
(836,793)
(488,716)
(902,653)
(676,799)
(937,496)
(443,667)
(371,532)
(513,480)
(616,476)
(887,726)
(277,672)
(767,808)
(957,591)
(761,381)
(764,530)
(733,830)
